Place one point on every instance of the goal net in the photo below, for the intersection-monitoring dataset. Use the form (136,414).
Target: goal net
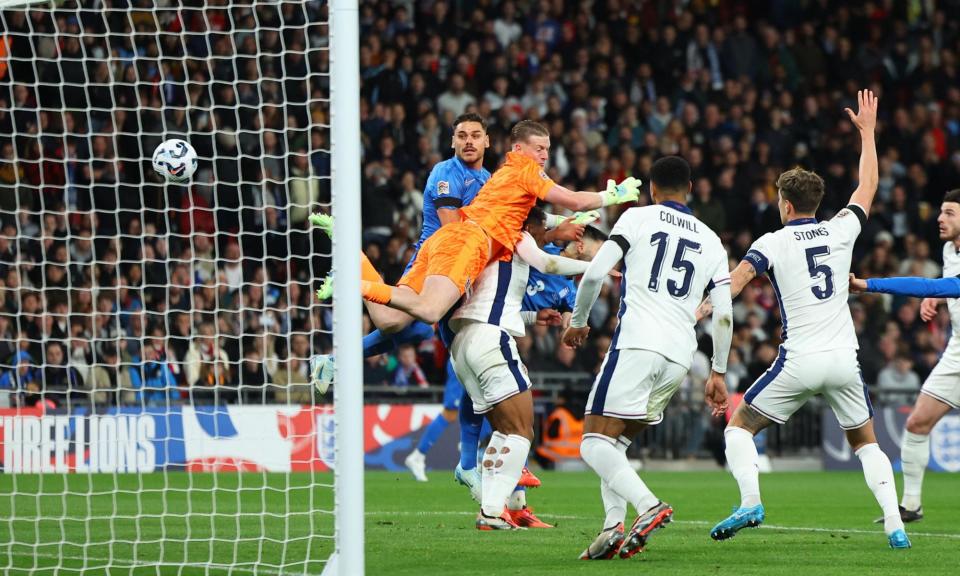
(156,414)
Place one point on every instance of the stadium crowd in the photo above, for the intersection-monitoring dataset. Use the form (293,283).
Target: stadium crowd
(118,289)
(205,291)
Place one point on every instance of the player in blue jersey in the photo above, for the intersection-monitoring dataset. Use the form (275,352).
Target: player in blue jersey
(546,291)
(452,184)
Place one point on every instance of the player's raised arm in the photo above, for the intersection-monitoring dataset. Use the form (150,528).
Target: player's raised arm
(588,291)
(626,191)
(866,122)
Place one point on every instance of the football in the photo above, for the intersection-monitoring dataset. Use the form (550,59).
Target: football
(175,160)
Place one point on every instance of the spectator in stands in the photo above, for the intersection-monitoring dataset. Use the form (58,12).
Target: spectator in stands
(60,383)
(304,189)
(253,379)
(899,378)
(455,100)
(109,383)
(214,384)
(408,371)
(291,385)
(232,267)
(24,377)
(154,382)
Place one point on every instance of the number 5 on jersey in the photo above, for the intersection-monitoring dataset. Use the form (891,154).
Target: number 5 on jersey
(817,269)
(680,264)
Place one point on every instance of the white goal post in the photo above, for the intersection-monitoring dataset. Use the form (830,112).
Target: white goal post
(345,139)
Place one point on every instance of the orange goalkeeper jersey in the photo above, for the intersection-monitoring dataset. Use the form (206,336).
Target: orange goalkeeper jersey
(504,202)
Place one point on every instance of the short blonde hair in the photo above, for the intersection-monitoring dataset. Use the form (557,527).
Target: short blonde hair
(524,129)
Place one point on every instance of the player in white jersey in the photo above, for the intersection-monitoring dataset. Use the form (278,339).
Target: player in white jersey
(941,390)
(808,263)
(669,259)
(485,357)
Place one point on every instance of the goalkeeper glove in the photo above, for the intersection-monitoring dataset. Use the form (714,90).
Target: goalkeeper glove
(323,221)
(626,191)
(584,218)
(325,292)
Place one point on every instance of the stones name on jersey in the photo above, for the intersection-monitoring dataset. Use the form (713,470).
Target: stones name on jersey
(808,263)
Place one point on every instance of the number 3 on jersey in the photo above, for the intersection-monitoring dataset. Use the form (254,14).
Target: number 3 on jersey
(817,269)
(680,264)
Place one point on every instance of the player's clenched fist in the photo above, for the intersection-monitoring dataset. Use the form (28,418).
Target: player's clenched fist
(626,191)
(857,285)
(575,337)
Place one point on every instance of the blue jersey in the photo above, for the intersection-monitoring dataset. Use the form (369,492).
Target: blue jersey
(549,290)
(450,185)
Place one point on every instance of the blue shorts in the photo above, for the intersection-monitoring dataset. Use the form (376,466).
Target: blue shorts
(453,390)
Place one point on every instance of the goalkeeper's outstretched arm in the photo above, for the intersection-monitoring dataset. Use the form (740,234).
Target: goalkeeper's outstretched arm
(626,191)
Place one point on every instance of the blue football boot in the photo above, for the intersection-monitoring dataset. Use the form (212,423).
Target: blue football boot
(741,518)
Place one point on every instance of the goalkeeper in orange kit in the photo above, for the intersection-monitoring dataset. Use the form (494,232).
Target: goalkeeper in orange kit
(488,230)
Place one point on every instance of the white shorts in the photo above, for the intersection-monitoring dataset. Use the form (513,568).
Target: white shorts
(792,380)
(943,383)
(634,385)
(488,365)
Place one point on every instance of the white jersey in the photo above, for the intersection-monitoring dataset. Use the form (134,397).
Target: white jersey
(670,259)
(951,268)
(496,297)
(808,263)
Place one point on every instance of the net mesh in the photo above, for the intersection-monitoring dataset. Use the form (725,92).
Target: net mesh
(155,408)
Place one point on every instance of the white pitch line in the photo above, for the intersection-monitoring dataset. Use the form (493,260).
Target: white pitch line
(690,522)
(129,563)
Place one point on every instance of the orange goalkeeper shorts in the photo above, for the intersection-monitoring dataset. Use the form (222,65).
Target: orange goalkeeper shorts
(460,251)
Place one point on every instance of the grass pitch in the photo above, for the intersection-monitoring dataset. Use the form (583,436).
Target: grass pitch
(817,523)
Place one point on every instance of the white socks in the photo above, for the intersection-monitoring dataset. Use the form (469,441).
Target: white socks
(517,500)
(601,454)
(500,476)
(914,454)
(614,505)
(879,476)
(489,460)
(744,464)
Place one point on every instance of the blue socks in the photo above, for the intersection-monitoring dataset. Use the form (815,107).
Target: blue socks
(486,430)
(378,343)
(432,434)
(470,425)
